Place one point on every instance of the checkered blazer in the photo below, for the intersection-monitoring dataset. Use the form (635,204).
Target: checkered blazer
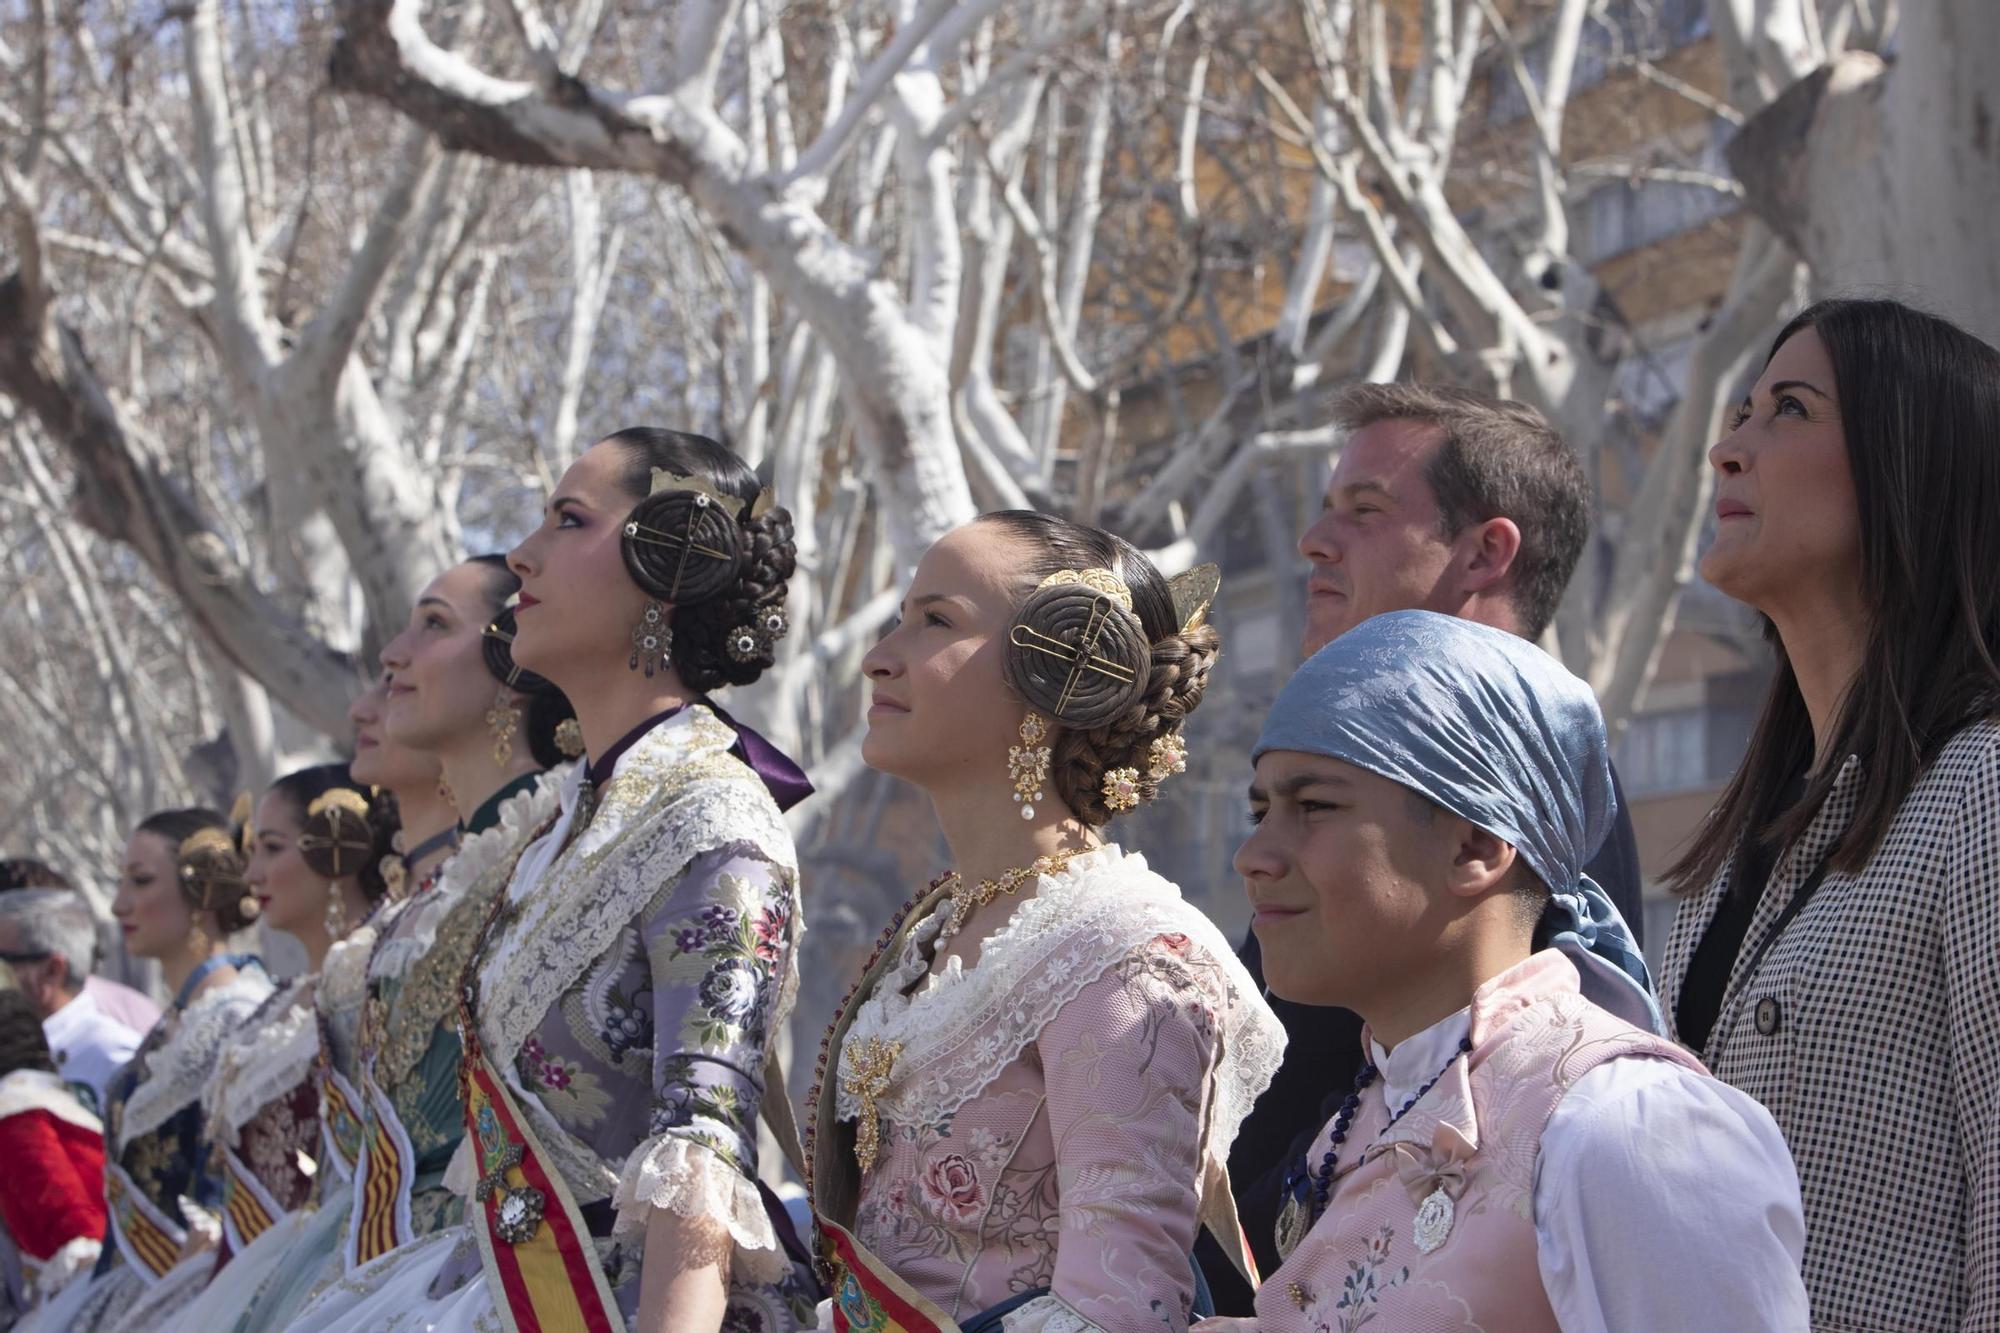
(1871,1031)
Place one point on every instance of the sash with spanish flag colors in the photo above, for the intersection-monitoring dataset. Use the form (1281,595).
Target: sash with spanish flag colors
(540,1264)
(148,1240)
(383,1175)
(248,1210)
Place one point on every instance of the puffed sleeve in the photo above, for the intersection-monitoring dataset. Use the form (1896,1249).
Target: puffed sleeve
(719,946)
(1971,897)
(1128,1067)
(45,1202)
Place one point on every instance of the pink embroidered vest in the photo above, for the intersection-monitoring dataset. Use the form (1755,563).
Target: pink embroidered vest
(1389,1254)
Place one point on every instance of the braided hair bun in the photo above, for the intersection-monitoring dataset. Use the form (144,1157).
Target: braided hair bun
(210,868)
(708,538)
(344,828)
(1122,666)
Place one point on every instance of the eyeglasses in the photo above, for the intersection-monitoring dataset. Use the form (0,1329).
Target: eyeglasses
(28,956)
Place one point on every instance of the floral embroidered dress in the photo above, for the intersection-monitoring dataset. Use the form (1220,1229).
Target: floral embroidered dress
(260,1114)
(386,1012)
(645,949)
(267,1114)
(1055,1119)
(159,1157)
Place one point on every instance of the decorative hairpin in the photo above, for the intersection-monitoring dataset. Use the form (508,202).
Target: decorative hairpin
(1194,593)
(1097,580)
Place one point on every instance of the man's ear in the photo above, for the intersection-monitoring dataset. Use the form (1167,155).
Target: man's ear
(1480,863)
(1488,550)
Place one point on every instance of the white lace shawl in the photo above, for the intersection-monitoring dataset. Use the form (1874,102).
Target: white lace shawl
(961,1032)
(263,1061)
(478,856)
(177,1071)
(24,1090)
(676,793)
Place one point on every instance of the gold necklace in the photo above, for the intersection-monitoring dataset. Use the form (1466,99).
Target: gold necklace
(965,901)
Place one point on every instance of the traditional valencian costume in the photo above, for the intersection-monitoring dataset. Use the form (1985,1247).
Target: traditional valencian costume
(1032,1143)
(1500,1169)
(1044,1131)
(159,1157)
(387,1066)
(615,1013)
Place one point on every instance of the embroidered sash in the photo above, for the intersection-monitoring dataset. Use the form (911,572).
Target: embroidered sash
(340,1121)
(539,1260)
(150,1242)
(383,1178)
(248,1210)
(867,1296)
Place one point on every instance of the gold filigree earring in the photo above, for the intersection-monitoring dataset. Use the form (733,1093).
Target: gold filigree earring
(569,737)
(501,719)
(336,912)
(197,940)
(1028,763)
(1121,789)
(1168,756)
(652,641)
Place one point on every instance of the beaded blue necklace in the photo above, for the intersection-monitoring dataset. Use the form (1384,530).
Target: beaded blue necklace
(1321,1179)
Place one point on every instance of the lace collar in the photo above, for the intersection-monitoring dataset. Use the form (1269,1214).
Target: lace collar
(174,1073)
(408,932)
(960,1034)
(268,1058)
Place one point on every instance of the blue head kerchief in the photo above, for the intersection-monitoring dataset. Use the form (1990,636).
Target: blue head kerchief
(1493,729)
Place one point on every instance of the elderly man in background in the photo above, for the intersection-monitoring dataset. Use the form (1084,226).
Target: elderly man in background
(49,939)
(130,1007)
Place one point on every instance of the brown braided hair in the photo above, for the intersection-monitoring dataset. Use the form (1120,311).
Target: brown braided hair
(1176,676)
(768,557)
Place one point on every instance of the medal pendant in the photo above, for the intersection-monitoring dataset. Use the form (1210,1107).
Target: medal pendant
(1433,1224)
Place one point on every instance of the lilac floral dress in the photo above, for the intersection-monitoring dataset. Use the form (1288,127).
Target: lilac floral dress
(627,989)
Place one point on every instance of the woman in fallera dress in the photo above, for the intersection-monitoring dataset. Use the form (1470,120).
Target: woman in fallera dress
(1027,1105)
(621,990)
(181,894)
(314,841)
(455,721)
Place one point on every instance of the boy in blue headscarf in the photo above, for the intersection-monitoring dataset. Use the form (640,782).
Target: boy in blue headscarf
(1517,1132)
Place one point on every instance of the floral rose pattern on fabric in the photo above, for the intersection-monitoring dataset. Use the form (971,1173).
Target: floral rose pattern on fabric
(1074,1168)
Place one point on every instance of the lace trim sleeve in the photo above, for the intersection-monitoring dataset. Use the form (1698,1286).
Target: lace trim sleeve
(689,1179)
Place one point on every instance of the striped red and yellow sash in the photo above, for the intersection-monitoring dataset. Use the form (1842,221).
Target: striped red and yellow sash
(540,1264)
(383,1177)
(149,1242)
(340,1119)
(248,1210)
(867,1295)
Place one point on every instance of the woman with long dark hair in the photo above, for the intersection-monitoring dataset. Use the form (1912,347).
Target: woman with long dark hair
(618,995)
(1838,952)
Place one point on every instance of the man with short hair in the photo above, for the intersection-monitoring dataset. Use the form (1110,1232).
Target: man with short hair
(128,1006)
(49,938)
(1442,500)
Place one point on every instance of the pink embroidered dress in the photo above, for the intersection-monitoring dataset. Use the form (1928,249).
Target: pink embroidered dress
(1058,1113)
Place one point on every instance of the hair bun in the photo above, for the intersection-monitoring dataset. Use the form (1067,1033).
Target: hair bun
(211,871)
(337,840)
(1076,651)
(682,545)
(497,641)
